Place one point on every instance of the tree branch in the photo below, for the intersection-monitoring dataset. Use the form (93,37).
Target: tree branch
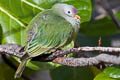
(82,49)
(11,49)
(88,61)
(57,57)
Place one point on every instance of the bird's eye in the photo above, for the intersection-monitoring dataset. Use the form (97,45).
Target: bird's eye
(68,11)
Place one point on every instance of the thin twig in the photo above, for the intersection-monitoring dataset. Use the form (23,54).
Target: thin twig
(106,6)
(82,49)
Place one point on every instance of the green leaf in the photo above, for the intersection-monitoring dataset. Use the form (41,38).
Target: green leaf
(83,6)
(71,73)
(21,9)
(12,28)
(109,73)
(101,27)
(0,34)
(113,72)
(103,76)
(46,4)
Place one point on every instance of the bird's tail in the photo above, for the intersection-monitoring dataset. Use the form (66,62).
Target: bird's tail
(20,68)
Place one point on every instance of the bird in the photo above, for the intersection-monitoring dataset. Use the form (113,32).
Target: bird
(48,31)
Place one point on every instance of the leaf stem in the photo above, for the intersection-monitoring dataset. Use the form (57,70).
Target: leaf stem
(12,17)
(32,5)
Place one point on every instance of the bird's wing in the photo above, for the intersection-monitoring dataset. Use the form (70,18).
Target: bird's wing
(50,31)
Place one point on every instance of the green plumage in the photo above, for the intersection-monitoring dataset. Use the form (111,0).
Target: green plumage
(47,31)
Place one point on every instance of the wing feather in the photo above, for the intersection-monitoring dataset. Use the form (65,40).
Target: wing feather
(49,31)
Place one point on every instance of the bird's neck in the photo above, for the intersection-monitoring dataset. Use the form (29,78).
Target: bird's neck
(74,22)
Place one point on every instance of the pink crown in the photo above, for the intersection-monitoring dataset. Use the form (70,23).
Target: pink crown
(74,10)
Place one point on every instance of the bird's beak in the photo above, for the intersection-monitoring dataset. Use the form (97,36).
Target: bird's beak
(77,16)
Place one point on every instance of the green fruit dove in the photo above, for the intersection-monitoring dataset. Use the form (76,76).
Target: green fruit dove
(50,30)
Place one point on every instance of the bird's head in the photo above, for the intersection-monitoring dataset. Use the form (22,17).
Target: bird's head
(69,12)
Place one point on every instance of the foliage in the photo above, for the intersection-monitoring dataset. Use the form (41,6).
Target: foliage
(15,15)
(110,73)
(71,73)
(7,73)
